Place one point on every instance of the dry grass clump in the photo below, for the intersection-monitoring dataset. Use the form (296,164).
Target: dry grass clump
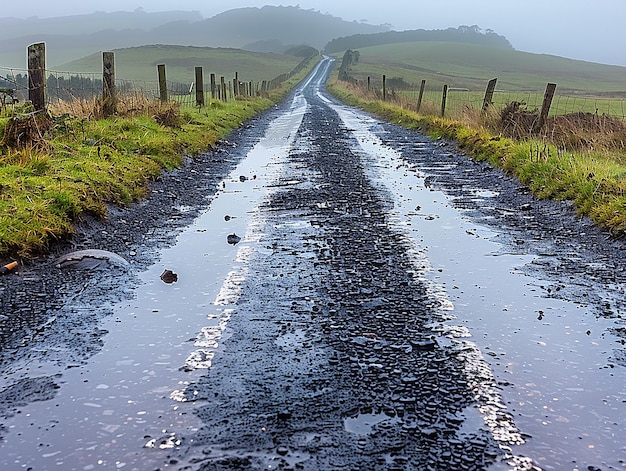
(35,129)
(27,130)
(574,131)
(126,105)
(586,131)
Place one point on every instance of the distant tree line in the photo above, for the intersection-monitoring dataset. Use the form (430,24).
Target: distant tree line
(463,34)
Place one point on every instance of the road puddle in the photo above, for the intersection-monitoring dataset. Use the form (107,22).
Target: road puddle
(135,393)
(548,386)
(364,424)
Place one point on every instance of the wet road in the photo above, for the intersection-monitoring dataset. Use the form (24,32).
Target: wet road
(390,305)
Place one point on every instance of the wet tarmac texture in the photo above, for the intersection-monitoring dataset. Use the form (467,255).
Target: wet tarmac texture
(331,343)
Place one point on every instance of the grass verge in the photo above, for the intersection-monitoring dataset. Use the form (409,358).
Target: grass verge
(595,180)
(56,166)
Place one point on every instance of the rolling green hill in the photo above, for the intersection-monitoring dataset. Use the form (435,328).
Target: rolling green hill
(470,66)
(140,63)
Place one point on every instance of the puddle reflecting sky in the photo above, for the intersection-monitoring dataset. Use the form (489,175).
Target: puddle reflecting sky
(120,410)
(550,357)
(547,360)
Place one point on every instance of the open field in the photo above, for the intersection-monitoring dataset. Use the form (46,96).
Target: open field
(459,99)
(139,63)
(471,66)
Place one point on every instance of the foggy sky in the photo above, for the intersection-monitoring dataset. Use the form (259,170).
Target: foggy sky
(578,29)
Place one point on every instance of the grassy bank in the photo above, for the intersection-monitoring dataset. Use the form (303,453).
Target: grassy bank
(593,175)
(56,166)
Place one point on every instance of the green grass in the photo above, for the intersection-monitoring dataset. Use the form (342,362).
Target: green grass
(471,66)
(140,63)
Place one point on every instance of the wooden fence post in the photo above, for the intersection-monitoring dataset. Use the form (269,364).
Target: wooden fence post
(162,82)
(199,87)
(421,95)
(443,100)
(223,86)
(369,84)
(545,107)
(213,86)
(384,88)
(37,75)
(109,97)
(488,100)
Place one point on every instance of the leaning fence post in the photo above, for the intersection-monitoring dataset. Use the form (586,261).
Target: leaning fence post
(37,75)
(488,100)
(162,82)
(421,95)
(545,107)
(109,97)
(443,100)
(199,87)
(384,88)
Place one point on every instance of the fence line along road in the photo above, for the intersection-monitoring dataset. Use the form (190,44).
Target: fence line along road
(43,86)
(457,99)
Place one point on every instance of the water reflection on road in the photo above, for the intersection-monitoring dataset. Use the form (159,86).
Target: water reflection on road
(132,396)
(550,356)
(547,359)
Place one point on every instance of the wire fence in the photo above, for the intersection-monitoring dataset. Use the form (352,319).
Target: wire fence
(462,99)
(68,86)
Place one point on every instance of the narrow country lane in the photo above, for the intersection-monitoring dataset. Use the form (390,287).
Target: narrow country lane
(350,295)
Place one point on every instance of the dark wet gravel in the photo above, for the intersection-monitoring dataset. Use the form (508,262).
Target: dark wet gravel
(333,325)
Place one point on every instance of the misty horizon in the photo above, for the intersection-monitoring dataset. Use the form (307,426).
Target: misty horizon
(579,40)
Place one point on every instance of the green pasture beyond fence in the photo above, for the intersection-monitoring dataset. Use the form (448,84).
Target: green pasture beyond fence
(458,100)
(42,86)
